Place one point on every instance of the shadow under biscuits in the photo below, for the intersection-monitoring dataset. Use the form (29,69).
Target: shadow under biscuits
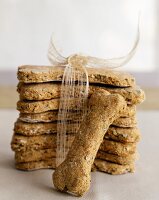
(39,180)
(44,183)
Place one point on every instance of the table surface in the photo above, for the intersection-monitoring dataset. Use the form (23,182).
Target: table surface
(142,185)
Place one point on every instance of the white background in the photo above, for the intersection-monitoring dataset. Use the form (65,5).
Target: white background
(101,28)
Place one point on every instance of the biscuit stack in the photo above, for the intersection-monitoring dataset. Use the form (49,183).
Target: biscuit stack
(35,131)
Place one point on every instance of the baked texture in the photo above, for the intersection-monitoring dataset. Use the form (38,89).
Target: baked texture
(53,104)
(124,135)
(48,116)
(45,154)
(35,165)
(34,74)
(73,174)
(34,155)
(43,91)
(115,133)
(125,122)
(122,160)
(24,143)
(99,165)
(52,116)
(32,129)
(112,168)
(118,148)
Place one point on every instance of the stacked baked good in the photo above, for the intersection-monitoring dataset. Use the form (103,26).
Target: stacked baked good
(35,131)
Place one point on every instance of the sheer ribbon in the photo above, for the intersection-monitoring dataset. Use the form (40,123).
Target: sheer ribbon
(74,90)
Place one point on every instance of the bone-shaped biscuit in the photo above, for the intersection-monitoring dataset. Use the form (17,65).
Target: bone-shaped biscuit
(38,74)
(73,175)
(51,90)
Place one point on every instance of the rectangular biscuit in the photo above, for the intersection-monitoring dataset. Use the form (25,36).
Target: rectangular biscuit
(32,74)
(43,91)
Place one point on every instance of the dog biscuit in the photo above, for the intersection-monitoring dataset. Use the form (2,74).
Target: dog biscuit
(99,165)
(73,174)
(45,154)
(44,91)
(34,74)
(53,104)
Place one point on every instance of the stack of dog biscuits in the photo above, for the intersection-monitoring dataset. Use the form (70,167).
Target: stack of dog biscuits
(35,131)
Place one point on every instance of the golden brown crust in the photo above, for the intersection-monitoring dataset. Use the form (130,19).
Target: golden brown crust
(114,132)
(48,116)
(125,122)
(34,155)
(45,154)
(112,168)
(122,160)
(35,165)
(32,74)
(52,116)
(32,129)
(39,106)
(118,148)
(124,135)
(43,91)
(53,104)
(99,165)
(73,174)
(24,143)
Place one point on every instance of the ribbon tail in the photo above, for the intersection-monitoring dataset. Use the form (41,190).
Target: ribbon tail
(114,62)
(54,56)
